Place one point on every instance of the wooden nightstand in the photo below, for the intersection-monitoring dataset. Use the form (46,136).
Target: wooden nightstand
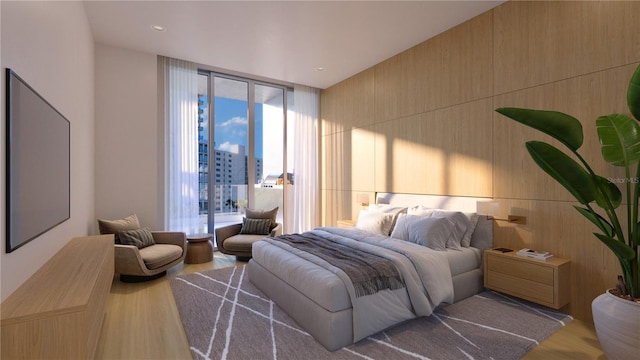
(543,282)
(346,224)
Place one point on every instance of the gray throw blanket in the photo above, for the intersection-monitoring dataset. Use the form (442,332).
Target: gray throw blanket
(369,273)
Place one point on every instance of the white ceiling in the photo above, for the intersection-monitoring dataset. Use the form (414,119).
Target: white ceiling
(280,40)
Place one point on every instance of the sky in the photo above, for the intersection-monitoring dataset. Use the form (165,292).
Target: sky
(231,125)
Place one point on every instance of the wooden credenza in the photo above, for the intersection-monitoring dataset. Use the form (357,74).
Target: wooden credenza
(58,312)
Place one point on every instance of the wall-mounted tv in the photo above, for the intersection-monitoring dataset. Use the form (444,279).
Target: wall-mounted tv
(38,167)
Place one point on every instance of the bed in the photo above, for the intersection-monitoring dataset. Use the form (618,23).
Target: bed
(325,302)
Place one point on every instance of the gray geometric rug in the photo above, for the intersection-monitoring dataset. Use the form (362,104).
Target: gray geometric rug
(226,317)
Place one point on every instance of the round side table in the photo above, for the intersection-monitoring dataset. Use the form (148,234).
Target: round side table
(199,249)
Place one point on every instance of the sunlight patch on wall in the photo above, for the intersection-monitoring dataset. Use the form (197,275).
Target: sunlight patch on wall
(362,159)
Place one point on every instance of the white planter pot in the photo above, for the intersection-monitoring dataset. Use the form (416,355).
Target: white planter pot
(617,323)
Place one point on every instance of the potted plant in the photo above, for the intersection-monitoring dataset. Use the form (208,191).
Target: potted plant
(599,197)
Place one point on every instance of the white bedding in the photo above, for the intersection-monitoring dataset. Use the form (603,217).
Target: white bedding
(426,274)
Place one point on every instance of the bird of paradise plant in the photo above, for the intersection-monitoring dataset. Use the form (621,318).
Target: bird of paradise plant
(619,137)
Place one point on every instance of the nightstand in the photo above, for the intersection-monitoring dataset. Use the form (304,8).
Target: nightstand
(542,282)
(346,224)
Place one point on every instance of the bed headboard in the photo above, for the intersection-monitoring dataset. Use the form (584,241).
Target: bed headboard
(482,237)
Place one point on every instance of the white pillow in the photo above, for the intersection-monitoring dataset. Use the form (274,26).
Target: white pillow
(432,232)
(375,222)
(461,236)
(388,209)
(461,222)
(401,230)
(420,210)
(473,220)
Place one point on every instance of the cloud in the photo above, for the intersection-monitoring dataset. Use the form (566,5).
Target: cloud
(226,146)
(238,120)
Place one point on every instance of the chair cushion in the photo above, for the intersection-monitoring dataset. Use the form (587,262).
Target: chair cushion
(140,238)
(114,226)
(158,255)
(263,214)
(242,242)
(255,226)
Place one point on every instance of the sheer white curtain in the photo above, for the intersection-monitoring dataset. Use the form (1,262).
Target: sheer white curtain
(306,198)
(181,146)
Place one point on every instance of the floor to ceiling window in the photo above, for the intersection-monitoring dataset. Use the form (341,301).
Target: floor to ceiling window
(243,165)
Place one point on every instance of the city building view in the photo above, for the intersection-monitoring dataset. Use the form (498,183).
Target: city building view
(227,164)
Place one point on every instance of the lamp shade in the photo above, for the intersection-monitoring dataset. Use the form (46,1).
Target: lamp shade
(488,208)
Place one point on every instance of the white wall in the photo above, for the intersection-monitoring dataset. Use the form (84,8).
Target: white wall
(127,135)
(50,46)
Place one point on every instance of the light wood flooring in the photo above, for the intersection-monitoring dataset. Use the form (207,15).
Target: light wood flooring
(142,322)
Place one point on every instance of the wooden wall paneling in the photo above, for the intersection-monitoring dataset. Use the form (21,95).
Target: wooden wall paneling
(360,102)
(514,236)
(349,103)
(348,161)
(469,169)
(539,42)
(444,152)
(458,64)
(407,159)
(336,171)
(362,160)
(338,205)
(585,98)
(401,85)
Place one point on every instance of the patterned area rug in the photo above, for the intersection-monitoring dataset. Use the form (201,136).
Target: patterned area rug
(226,317)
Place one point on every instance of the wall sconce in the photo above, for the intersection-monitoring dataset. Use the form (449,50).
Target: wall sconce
(363,199)
(492,208)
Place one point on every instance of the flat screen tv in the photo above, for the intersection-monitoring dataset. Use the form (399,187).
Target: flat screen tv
(38,164)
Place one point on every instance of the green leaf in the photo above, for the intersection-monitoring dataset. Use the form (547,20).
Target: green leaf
(564,170)
(610,192)
(633,94)
(598,220)
(561,126)
(620,139)
(619,248)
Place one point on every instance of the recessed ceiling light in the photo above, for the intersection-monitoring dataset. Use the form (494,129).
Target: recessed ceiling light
(158,28)
(319,69)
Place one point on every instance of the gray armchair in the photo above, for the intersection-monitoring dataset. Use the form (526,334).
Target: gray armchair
(231,242)
(151,262)
(144,259)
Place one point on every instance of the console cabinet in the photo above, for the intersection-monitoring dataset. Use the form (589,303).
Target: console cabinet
(58,312)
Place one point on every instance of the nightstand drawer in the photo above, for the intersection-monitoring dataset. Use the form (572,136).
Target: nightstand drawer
(527,289)
(522,270)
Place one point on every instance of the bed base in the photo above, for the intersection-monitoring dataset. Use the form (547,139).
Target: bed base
(334,330)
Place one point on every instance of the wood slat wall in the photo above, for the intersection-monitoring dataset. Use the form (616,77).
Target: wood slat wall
(423,121)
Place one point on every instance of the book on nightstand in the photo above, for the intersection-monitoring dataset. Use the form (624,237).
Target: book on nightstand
(534,254)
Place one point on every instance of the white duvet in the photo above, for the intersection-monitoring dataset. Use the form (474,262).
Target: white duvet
(425,272)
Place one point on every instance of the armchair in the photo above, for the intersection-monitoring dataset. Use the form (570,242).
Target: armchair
(151,262)
(231,242)
(143,255)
